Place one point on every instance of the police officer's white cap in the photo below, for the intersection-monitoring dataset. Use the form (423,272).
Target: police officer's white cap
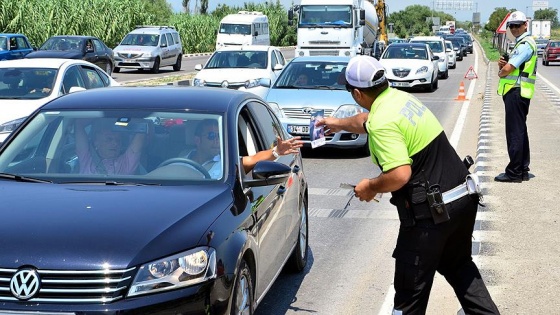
(360,72)
(517,18)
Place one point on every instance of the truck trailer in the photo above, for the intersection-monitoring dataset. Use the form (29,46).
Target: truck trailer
(335,27)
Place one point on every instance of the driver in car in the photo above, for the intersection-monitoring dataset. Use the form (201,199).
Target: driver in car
(207,151)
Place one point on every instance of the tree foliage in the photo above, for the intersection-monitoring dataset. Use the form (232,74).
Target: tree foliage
(548,14)
(496,18)
(416,20)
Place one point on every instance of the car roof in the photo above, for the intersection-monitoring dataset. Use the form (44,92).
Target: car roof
(247,47)
(73,36)
(38,62)
(320,58)
(409,44)
(11,34)
(153,98)
(152,30)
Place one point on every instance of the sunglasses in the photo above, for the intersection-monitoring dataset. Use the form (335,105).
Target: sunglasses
(212,135)
(515,25)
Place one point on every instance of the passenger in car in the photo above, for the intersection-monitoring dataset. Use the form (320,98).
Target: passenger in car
(102,152)
(207,151)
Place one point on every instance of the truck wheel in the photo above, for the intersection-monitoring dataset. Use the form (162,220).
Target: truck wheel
(155,68)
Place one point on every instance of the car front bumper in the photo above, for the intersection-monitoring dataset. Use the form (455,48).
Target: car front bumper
(137,63)
(345,140)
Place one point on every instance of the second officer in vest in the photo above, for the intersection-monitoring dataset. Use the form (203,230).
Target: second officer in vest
(517,86)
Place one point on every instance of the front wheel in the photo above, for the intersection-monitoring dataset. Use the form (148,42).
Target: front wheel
(155,68)
(242,303)
(298,260)
(109,68)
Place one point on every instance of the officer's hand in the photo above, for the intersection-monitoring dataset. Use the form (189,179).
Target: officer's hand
(363,191)
(502,62)
(331,124)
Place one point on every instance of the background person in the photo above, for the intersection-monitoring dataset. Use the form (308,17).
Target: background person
(517,87)
(409,145)
(103,151)
(302,80)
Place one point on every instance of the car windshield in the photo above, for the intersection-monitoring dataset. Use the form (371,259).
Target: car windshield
(62,43)
(405,52)
(242,29)
(238,59)
(325,16)
(128,147)
(311,75)
(3,43)
(141,40)
(26,83)
(436,46)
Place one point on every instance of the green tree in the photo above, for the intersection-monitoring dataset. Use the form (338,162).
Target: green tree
(548,14)
(203,6)
(186,6)
(496,18)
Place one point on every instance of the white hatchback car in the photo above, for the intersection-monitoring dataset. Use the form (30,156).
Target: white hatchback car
(252,68)
(27,84)
(437,44)
(409,65)
(451,54)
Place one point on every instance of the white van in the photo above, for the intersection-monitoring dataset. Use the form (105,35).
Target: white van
(243,28)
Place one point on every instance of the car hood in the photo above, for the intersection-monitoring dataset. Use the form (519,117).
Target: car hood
(404,64)
(134,49)
(87,226)
(232,74)
(66,54)
(15,109)
(315,98)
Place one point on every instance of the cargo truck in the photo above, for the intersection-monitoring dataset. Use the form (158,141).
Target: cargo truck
(335,27)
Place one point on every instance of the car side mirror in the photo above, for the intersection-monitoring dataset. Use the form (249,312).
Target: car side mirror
(76,89)
(278,67)
(163,45)
(198,67)
(267,173)
(435,58)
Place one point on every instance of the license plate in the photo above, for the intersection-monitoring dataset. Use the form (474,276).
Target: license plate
(400,84)
(129,60)
(298,129)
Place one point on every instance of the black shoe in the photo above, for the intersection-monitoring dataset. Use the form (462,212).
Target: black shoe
(505,178)
(525,176)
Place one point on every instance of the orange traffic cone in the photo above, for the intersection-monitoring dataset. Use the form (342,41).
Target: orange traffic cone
(461,96)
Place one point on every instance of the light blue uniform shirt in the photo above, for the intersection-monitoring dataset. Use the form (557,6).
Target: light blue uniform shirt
(521,53)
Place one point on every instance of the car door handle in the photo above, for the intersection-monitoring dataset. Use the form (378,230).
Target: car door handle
(281,190)
(296,169)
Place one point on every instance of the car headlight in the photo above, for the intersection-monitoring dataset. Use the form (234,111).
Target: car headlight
(199,82)
(422,69)
(148,55)
(11,125)
(252,83)
(348,110)
(276,109)
(174,272)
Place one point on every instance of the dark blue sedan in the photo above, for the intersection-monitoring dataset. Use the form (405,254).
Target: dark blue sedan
(14,46)
(106,209)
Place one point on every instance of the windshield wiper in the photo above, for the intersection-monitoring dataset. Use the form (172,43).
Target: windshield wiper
(26,179)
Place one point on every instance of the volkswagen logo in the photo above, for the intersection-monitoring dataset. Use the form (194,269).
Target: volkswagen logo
(25,284)
(225,84)
(307,110)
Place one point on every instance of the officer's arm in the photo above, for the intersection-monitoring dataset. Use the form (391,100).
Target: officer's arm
(354,124)
(391,180)
(506,70)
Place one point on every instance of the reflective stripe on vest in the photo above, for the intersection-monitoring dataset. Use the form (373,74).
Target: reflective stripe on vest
(526,78)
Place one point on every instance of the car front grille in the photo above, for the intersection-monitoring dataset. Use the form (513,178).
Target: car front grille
(304,113)
(324,42)
(79,286)
(401,73)
(129,56)
(323,53)
(231,85)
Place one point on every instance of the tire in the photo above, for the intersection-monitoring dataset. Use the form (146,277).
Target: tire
(298,259)
(543,62)
(109,68)
(155,68)
(546,63)
(433,86)
(242,299)
(177,65)
(116,69)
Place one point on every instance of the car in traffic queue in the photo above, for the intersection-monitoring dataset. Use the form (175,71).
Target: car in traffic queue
(295,101)
(459,40)
(14,46)
(411,65)
(541,44)
(149,47)
(251,68)
(88,48)
(468,40)
(437,45)
(164,237)
(451,54)
(551,52)
(27,84)
(459,48)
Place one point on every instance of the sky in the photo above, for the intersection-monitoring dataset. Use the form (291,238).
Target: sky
(485,7)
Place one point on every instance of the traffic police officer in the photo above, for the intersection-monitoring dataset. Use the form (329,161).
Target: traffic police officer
(418,163)
(517,86)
